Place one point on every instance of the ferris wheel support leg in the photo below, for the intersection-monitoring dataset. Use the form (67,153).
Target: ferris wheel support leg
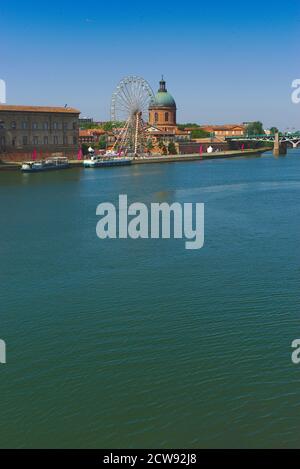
(136,133)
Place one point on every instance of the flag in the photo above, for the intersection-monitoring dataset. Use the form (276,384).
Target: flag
(79,156)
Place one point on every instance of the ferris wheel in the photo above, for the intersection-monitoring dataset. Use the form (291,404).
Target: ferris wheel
(129,104)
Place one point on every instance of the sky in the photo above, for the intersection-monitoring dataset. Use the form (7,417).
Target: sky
(224,62)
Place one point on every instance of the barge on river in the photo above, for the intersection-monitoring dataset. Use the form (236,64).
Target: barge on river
(55,163)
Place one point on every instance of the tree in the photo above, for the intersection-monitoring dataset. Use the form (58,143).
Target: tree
(188,125)
(85,148)
(172,149)
(102,143)
(274,130)
(90,125)
(254,128)
(160,144)
(149,145)
(162,147)
(110,125)
(199,133)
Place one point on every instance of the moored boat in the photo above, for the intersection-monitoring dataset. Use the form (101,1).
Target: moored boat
(107,160)
(55,163)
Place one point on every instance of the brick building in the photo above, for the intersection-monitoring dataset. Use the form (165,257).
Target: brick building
(91,135)
(223,131)
(47,130)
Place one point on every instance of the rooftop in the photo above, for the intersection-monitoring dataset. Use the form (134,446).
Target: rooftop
(91,132)
(65,110)
(221,127)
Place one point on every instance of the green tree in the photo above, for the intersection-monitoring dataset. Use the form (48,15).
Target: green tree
(254,128)
(273,130)
(90,125)
(149,145)
(102,143)
(172,149)
(160,144)
(188,125)
(162,147)
(110,125)
(199,133)
(85,148)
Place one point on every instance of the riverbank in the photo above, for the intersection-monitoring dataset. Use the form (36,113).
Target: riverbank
(15,166)
(197,156)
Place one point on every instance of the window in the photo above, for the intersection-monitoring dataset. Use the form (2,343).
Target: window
(24,125)
(65,140)
(55,125)
(65,125)
(46,125)
(2,140)
(13,125)
(13,142)
(2,125)
(35,125)
(45,140)
(166,117)
(74,140)
(74,125)
(156,117)
(25,140)
(55,140)
(35,140)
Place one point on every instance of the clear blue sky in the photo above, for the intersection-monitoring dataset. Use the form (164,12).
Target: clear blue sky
(223,61)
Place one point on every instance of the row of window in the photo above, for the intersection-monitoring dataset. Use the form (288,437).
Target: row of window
(227,132)
(36,126)
(44,141)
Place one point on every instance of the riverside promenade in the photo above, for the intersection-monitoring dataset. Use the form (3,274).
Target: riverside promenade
(14,166)
(198,157)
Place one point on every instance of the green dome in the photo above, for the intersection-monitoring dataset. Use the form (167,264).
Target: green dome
(162,97)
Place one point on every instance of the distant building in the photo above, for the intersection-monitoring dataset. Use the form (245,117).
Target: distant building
(223,131)
(91,135)
(47,130)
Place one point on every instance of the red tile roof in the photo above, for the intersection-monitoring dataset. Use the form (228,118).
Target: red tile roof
(222,127)
(91,132)
(85,133)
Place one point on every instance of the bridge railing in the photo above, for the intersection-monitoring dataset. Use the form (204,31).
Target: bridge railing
(263,137)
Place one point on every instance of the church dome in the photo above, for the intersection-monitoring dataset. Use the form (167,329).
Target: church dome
(162,97)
